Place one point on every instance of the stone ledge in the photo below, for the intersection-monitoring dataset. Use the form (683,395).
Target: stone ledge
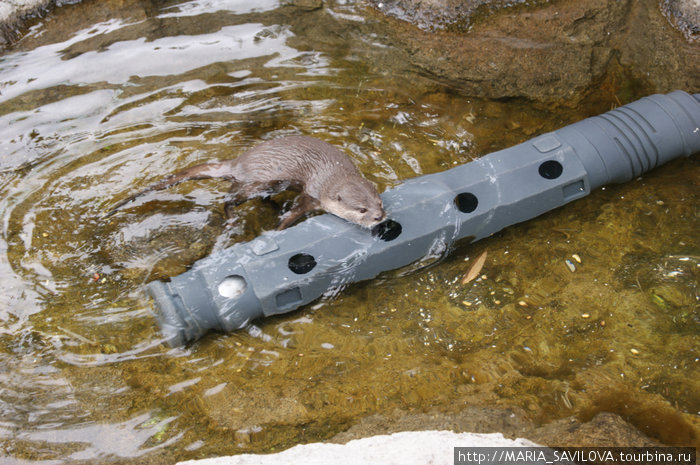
(14,13)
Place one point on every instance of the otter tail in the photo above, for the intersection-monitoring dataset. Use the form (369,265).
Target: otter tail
(203,171)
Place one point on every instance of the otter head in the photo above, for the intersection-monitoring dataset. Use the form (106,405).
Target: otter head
(355,200)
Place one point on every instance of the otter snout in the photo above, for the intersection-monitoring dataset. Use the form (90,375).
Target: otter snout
(372,210)
(373,217)
(365,214)
(354,199)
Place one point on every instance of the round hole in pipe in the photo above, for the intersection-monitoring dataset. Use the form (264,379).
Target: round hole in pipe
(387,230)
(466,202)
(301,263)
(232,286)
(551,169)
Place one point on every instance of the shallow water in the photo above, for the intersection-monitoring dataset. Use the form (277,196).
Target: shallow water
(93,110)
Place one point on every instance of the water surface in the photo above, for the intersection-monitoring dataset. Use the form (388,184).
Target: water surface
(92,110)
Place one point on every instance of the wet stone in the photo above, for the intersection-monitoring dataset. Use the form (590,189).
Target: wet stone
(86,374)
(534,50)
(307,4)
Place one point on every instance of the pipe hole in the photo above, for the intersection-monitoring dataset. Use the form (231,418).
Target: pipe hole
(387,230)
(551,169)
(466,202)
(232,286)
(301,263)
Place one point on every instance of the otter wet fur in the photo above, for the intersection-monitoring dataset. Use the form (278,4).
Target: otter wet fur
(326,177)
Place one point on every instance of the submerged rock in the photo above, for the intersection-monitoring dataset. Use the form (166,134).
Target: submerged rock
(307,4)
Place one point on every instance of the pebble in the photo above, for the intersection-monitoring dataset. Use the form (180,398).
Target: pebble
(570,265)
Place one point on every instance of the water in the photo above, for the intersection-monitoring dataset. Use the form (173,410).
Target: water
(93,110)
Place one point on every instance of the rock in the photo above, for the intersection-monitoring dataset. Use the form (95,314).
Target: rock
(409,448)
(377,437)
(554,53)
(685,15)
(307,5)
(471,418)
(604,430)
(13,13)
(672,62)
(444,14)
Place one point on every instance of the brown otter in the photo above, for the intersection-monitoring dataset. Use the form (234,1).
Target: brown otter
(325,176)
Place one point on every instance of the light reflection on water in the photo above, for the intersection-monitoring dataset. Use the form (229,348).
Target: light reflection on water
(128,439)
(198,7)
(92,118)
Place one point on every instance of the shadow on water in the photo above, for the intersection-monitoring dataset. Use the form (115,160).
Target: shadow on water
(586,309)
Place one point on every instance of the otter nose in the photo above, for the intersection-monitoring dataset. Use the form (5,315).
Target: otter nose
(379,218)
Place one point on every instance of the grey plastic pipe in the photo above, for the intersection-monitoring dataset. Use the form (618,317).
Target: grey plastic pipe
(280,271)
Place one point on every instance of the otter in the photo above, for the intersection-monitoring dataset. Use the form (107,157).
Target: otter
(326,177)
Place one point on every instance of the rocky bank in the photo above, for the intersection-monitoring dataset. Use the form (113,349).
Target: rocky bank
(552,52)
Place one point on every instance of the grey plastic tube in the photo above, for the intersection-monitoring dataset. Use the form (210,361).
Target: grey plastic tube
(282,270)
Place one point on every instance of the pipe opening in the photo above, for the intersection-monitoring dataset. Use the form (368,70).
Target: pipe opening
(387,230)
(466,202)
(232,286)
(301,263)
(551,169)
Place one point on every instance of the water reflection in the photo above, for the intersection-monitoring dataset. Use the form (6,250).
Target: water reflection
(199,7)
(92,118)
(128,439)
(50,113)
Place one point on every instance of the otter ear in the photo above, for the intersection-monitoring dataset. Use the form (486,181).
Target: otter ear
(339,198)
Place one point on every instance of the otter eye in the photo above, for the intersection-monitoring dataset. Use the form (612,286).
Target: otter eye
(363,210)
(340,199)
